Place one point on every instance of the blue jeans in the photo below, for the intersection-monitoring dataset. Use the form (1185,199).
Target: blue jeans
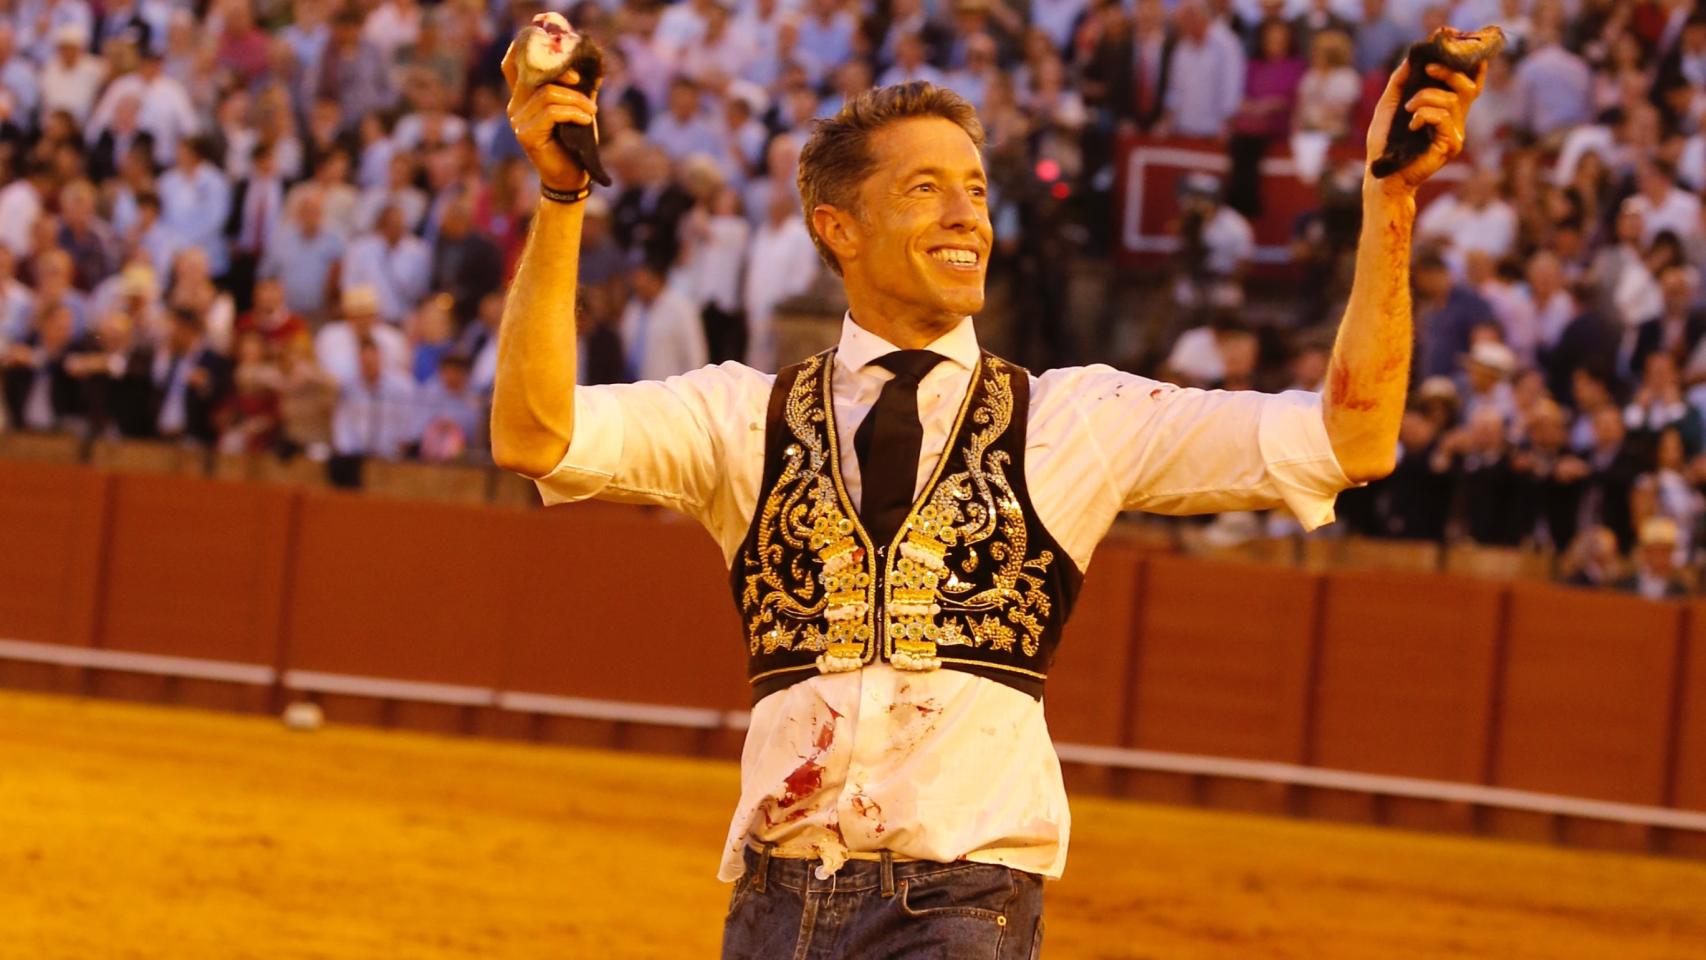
(877,910)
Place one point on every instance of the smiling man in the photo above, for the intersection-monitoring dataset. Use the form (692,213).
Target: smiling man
(907,518)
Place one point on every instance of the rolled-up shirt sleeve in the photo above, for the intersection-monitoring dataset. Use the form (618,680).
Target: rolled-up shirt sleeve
(661,442)
(1175,450)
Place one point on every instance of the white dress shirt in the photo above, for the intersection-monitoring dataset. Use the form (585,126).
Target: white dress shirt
(893,746)
(401,275)
(664,337)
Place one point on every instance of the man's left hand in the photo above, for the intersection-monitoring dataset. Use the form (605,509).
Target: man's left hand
(1444,110)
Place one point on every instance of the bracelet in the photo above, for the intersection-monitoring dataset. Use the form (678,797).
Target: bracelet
(567,196)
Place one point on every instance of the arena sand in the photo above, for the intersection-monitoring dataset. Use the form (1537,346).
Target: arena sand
(140,832)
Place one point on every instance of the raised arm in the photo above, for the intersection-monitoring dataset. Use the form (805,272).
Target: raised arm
(1370,368)
(533,410)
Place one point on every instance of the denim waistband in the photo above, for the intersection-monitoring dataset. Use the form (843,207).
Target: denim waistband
(854,876)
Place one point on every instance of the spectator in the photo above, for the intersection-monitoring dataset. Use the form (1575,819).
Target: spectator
(1205,79)
(1679,326)
(337,345)
(271,318)
(40,393)
(1126,79)
(1378,38)
(1487,370)
(1553,86)
(1444,312)
(257,204)
(1549,479)
(85,237)
(1327,94)
(1614,466)
(1265,115)
(661,329)
(1472,217)
(1592,559)
(394,264)
(452,415)
(180,384)
(21,204)
(375,415)
(782,263)
(465,263)
(1656,575)
(72,78)
(163,108)
(354,73)
(1659,404)
(195,200)
(307,396)
(249,420)
(305,257)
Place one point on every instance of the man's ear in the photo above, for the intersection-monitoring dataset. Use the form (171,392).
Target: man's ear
(838,229)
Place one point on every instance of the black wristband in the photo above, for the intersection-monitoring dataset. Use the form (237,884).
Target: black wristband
(566,196)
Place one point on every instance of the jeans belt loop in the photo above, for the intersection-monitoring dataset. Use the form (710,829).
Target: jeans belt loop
(887,874)
(763,872)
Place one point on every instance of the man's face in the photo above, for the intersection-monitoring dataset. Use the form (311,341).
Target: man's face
(922,234)
(269,296)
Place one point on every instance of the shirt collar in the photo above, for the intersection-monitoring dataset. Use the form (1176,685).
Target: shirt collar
(859,346)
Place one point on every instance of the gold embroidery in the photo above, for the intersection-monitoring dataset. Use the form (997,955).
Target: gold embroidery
(801,512)
(963,521)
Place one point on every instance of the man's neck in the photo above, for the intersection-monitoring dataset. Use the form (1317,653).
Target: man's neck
(904,326)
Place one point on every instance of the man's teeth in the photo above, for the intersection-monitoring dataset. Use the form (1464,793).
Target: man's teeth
(958,257)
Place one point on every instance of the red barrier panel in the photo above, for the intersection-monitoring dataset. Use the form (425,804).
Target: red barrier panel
(1405,674)
(1689,765)
(52,525)
(195,568)
(1086,696)
(623,604)
(404,590)
(1223,660)
(1586,707)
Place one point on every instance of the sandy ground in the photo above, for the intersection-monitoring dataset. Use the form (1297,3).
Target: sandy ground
(130,832)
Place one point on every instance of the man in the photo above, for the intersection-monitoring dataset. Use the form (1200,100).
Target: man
(781,264)
(662,334)
(305,257)
(375,415)
(179,384)
(164,109)
(465,262)
(257,206)
(1679,327)
(1552,87)
(1126,78)
(338,344)
(40,393)
(1446,312)
(72,78)
(898,632)
(195,199)
(1657,574)
(1205,76)
(395,263)
(684,129)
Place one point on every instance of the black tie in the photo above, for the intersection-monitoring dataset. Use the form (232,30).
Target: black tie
(887,444)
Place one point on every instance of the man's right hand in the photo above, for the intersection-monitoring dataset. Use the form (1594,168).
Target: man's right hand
(534,113)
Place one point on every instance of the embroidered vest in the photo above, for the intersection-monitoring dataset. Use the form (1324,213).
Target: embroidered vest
(972,580)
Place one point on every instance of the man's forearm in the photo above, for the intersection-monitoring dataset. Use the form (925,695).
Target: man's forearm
(533,396)
(1369,374)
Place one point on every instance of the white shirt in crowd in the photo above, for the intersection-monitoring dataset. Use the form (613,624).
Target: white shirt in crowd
(339,349)
(194,206)
(375,419)
(1099,441)
(20,206)
(783,263)
(1205,82)
(663,338)
(399,274)
(72,88)
(712,270)
(1678,212)
(164,110)
(1462,228)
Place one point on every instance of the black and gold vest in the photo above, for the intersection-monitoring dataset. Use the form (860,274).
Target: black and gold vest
(972,580)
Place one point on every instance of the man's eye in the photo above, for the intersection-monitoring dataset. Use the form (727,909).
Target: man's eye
(979,192)
(925,186)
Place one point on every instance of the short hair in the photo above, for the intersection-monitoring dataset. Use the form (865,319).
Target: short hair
(838,157)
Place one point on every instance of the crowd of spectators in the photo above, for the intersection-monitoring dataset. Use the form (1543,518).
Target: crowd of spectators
(285,225)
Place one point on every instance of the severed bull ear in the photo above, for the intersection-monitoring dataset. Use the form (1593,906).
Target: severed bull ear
(551,49)
(1463,52)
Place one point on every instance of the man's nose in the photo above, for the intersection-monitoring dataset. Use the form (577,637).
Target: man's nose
(959,212)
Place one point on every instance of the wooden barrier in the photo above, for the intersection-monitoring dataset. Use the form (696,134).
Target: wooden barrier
(1586,700)
(1516,708)
(1086,698)
(52,526)
(1222,666)
(1405,674)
